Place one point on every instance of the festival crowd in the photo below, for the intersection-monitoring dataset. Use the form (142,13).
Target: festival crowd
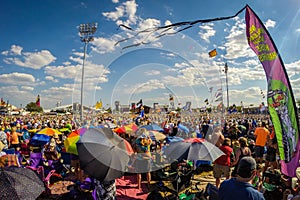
(245,171)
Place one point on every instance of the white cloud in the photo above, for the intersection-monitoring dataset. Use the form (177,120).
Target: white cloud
(17,78)
(115,15)
(34,60)
(236,42)
(148,23)
(51,78)
(17,50)
(103,45)
(126,10)
(152,73)
(14,95)
(28,88)
(66,72)
(144,87)
(206,31)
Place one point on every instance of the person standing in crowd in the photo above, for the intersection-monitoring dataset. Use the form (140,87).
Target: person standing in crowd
(262,135)
(241,187)
(222,164)
(241,152)
(142,163)
(271,160)
(14,138)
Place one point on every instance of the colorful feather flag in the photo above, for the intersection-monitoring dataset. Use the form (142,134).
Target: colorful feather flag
(281,102)
(38,101)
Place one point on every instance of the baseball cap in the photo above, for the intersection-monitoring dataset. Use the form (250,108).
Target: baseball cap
(246,166)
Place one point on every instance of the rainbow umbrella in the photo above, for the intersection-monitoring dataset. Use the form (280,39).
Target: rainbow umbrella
(72,139)
(127,129)
(49,131)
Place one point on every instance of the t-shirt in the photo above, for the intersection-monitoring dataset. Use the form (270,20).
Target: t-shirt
(261,134)
(232,189)
(224,159)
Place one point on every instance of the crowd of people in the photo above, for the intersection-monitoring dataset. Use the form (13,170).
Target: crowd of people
(248,141)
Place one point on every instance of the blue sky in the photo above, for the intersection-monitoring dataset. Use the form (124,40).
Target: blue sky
(41,52)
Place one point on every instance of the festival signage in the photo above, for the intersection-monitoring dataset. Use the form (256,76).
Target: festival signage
(281,103)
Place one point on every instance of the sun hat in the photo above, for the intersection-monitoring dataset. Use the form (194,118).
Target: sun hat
(55,135)
(246,166)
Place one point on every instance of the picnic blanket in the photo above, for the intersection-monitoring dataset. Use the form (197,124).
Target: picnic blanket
(9,160)
(127,189)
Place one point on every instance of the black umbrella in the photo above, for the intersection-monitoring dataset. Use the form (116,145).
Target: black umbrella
(193,149)
(20,183)
(103,154)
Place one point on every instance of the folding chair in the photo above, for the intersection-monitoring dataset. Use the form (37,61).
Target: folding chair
(35,160)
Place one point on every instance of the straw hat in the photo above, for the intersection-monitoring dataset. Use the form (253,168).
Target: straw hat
(55,135)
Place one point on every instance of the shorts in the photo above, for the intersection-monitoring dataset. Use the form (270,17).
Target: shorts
(259,151)
(15,146)
(218,170)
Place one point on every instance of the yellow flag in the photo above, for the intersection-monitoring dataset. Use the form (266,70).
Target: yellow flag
(212,53)
(99,104)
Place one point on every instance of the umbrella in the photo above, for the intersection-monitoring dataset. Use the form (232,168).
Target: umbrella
(153,127)
(49,131)
(70,142)
(128,129)
(183,128)
(193,149)
(171,139)
(20,183)
(103,154)
(39,140)
(156,136)
(72,139)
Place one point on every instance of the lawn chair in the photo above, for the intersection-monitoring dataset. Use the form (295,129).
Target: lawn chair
(35,160)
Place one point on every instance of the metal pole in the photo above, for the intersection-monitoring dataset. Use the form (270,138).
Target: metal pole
(226,70)
(82,77)
(86,32)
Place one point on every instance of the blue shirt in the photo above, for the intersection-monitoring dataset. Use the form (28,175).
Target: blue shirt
(232,189)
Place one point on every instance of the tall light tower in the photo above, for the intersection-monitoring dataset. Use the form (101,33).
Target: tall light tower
(226,70)
(86,32)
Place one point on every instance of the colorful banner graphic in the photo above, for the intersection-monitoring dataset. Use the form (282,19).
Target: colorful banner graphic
(281,103)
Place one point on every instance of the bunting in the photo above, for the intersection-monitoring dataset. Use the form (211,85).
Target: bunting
(281,103)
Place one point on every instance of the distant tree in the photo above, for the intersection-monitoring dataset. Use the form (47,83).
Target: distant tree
(32,107)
